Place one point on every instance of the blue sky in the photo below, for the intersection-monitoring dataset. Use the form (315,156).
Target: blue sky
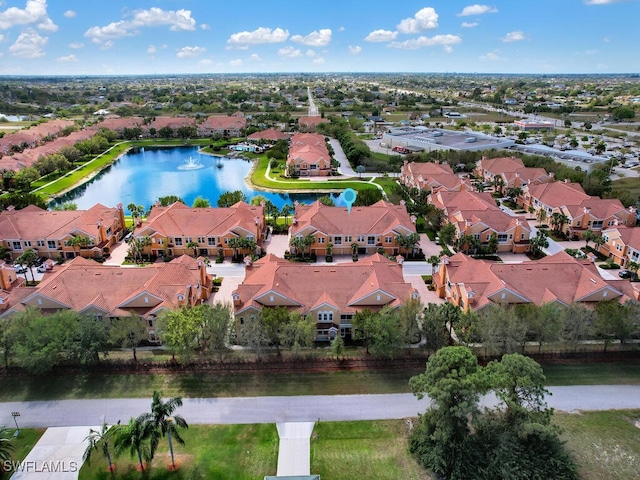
(212,36)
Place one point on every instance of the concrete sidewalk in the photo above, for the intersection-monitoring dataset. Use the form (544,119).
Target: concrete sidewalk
(295,448)
(57,455)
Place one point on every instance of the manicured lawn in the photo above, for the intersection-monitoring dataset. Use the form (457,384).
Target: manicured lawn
(363,450)
(627,183)
(23,444)
(606,445)
(211,451)
(615,373)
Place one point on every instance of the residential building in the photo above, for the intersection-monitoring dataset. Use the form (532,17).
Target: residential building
(580,211)
(309,124)
(534,125)
(108,291)
(118,124)
(476,215)
(475,284)
(174,123)
(308,155)
(622,244)
(174,228)
(330,294)
(229,126)
(48,233)
(270,135)
(432,177)
(371,228)
(511,173)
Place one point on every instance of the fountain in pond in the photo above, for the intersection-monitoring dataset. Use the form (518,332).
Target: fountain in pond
(191,164)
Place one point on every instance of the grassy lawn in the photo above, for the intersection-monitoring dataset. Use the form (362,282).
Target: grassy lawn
(627,183)
(211,451)
(614,373)
(604,444)
(348,450)
(23,444)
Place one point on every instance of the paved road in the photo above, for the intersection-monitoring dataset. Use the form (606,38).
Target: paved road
(290,409)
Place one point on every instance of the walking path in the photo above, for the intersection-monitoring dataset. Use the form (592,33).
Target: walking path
(295,448)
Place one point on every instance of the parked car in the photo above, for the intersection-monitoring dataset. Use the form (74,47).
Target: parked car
(20,268)
(42,268)
(40,261)
(626,274)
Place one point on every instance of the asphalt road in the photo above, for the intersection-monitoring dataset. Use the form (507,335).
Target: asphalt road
(290,409)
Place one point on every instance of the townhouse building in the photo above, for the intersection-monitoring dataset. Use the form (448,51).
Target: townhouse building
(509,172)
(227,126)
(308,155)
(178,229)
(432,177)
(330,294)
(270,135)
(621,244)
(309,124)
(580,212)
(476,215)
(107,291)
(476,284)
(50,233)
(370,228)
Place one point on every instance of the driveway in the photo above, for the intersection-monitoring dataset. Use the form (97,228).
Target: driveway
(344,168)
(277,245)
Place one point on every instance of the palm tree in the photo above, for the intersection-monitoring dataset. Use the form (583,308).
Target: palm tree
(498,183)
(137,437)
(79,242)
(588,236)
(99,437)
(539,242)
(193,245)
(163,419)
(286,210)
(28,259)
(633,267)
(541,216)
(6,444)
(234,244)
(558,220)
(136,212)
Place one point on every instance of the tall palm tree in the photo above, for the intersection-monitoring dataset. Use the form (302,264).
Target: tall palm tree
(79,242)
(137,437)
(6,444)
(28,259)
(99,438)
(194,246)
(286,210)
(163,419)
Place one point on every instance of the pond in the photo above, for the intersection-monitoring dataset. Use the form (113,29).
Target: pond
(142,177)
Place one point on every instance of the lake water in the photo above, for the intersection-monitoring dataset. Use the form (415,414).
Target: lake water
(143,177)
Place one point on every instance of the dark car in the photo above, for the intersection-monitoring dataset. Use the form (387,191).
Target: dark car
(40,261)
(626,274)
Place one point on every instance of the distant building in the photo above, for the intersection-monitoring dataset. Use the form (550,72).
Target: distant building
(533,125)
(309,124)
(429,139)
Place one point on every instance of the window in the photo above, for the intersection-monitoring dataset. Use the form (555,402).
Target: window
(320,239)
(150,322)
(619,247)
(347,239)
(17,245)
(109,231)
(187,240)
(522,236)
(200,239)
(41,243)
(388,239)
(634,256)
(51,244)
(325,316)
(371,240)
(27,243)
(502,238)
(360,238)
(160,241)
(476,236)
(211,241)
(337,240)
(313,167)
(178,241)
(597,224)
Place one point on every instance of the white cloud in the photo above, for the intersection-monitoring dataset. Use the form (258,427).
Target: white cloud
(255,57)
(601,2)
(205,62)
(341,29)
(34,12)
(310,53)
(1,37)
(290,52)
(318,61)
(205,26)
(259,36)
(319,38)
(355,49)
(68,58)
(425,19)
(106,45)
(515,36)
(69,14)
(381,36)
(190,52)
(151,49)
(438,40)
(76,45)
(491,56)
(477,9)
(236,63)
(177,20)
(29,45)
(469,24)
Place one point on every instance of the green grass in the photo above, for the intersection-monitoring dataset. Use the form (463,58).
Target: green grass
(363,450)
(606,445)
(627,183)
(213,451)
(614,373)
(23,444)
